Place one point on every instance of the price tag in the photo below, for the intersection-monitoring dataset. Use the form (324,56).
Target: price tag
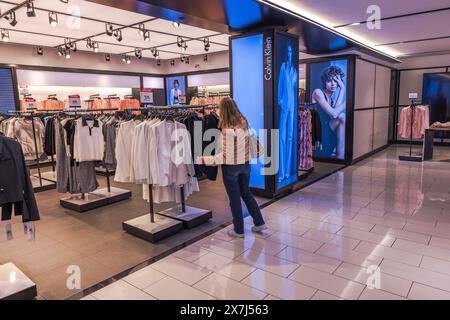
(182,98)
(31,104)
(413,95)
(75,101)
(147,96)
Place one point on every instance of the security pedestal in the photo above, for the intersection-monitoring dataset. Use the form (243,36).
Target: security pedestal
(14,284)
(162,227)
(94,200)
(190,216)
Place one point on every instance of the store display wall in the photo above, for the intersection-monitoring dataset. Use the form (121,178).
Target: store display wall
(372,107)
(7,98)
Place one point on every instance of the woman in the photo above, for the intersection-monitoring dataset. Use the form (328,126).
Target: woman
(234,157)
(175,93)
(332,112)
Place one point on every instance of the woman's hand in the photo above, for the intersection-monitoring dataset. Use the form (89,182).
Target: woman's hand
(339,82)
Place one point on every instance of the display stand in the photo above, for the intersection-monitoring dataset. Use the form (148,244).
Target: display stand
(98,198)
(14,284)
(189,216)
(411,157)
(168,222)
(150,227)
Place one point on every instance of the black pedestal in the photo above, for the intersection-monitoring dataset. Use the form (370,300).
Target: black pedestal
(143,228)
(96,199)
(15,285)
(191,218)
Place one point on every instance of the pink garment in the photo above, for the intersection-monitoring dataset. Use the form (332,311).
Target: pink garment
(420,122)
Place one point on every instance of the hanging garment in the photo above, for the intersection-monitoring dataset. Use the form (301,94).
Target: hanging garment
(16,188)
(413,122)
(88,140)
(123,151)
(305,161)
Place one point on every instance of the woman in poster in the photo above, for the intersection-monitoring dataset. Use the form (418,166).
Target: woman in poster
(175,93)
(331,99)
(287,102)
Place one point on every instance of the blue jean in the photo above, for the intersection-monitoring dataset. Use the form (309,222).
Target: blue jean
(236,179)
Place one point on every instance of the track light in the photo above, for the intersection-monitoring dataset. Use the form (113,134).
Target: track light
(175,24)
(182,58)
(147,36)
(70,45)
(172,62)
(181,43)
(67,54)
(138,53)
(142,29)
(64,1)
(205,58)
(12,18)
(53,19)
(92,45)
(158,62)
(40,51)
(126,59)
(118,35)
(60,51)
(30,9)
(186,60)
(154,52)
(5,35)
(108,57)
(109,29)
(206,44)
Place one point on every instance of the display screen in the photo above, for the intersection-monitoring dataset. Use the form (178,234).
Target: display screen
(327,86)
(176,90)
(248,89)
(286,96)
(436,93)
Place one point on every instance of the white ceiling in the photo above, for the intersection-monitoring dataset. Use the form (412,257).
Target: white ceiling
(37,30)
(335,13)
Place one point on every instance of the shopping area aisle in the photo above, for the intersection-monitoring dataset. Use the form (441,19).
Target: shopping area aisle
(323,242)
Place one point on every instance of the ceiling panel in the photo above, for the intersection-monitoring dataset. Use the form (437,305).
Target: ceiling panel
(36,40)
(194,48)
(221,38)
(183,30)
(131,37)
(423,46)
(340,12)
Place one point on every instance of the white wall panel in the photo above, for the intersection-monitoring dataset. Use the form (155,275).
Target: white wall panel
(382,87)
(381,128)
(364,84)
(154,82)
(209,79)
(363,133)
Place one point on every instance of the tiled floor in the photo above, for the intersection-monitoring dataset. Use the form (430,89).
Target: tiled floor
(381,223)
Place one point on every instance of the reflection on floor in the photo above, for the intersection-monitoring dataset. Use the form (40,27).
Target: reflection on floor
(95,241)
(376,230)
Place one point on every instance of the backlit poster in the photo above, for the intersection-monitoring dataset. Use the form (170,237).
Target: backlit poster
(176,90)
(286,97)
(328,89)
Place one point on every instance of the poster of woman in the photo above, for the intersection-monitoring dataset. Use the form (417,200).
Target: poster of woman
(328,83)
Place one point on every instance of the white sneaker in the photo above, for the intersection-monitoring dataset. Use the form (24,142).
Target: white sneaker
(234,234)
(259,228)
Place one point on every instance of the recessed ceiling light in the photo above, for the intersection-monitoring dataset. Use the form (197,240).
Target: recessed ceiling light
(53,19)
(175,24)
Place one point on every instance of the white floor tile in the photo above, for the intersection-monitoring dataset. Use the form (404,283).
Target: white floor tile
(331,238)
(385,240)
(181,270)
(269,297)
(320,295)
(376,294)
(405,235)
(311,260)
(295,241)
(389,253)
(190,253)
(89,297)
(144,277)
(350,256)
(440,253)
(261,245)
(121,290)
(223,248)
(236,270)
(434,264)
(365,276)
(268,263)
(212,261)
(440,242)
(332,284)
(422,292)
(172,289)
(278,286)
(224,288)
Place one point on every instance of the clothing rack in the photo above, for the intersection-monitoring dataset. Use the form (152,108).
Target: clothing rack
(410,157)
(171,220)
(32,114)
(101,197)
